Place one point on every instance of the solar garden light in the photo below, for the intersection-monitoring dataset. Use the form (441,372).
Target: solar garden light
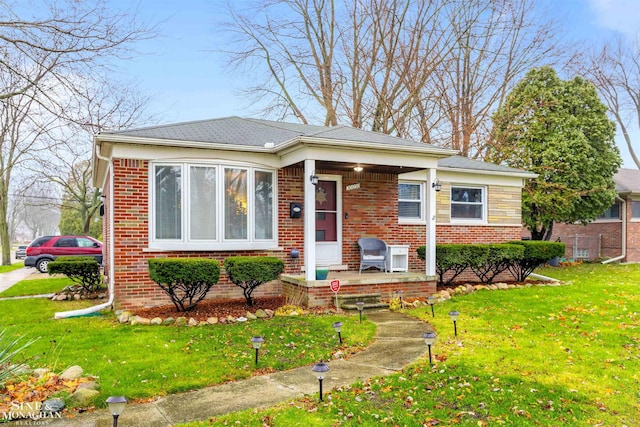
(360,307)
(454,317)
(431,300)
(116,406)
(338,327)
(257,343)
(320,369)
(429,339)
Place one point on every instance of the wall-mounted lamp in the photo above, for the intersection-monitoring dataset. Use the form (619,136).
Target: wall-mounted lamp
(437,185)
(358,169)
(314,179)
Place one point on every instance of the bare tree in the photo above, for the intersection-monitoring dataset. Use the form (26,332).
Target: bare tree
(495,43)
(615,70)
(366,60)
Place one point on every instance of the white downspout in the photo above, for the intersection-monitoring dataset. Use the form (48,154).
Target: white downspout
(624,233)
(110,239)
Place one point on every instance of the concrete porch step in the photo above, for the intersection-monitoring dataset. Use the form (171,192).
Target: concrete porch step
(371,302)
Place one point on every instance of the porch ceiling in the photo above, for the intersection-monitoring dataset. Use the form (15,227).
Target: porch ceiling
(366,167)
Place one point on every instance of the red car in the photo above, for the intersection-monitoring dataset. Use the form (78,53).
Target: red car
(45,249)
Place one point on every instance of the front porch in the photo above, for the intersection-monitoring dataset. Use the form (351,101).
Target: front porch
(317,293)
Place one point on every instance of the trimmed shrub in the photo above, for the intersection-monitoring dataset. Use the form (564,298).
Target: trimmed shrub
(185,280)
(455,258)
(499,258)
(249,272)
(536,253)
(83,270)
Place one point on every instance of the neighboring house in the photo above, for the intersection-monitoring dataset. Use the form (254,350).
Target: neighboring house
(616,234)
(230,186)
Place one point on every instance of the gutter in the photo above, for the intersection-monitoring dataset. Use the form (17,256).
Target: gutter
(111,284)
(624,233)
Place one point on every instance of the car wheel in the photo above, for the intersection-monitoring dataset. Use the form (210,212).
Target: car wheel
(43,265)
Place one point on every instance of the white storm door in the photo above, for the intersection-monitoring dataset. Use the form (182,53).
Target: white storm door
(329,221)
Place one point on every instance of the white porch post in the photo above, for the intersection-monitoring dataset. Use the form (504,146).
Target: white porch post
(309,210)
(430,255)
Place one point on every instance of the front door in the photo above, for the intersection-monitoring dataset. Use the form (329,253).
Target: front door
(329,221)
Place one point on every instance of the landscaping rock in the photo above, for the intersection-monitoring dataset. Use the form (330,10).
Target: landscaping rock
(445,295)
(202,323)
(72,373)
(417,303)
(40,372)
(492,287)
(193,322)
(156,321)
(261,314)
(90,385)
(82,396)
(124,317)
(102,296)
(241,319)
(502,286)
(269,312)
(138,320)
(231,319)
(60,297)
(51,406)
(222,320)
(212,320)
(250,316)
(168,321)
(181,321)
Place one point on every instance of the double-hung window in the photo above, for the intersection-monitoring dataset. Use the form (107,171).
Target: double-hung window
(410,202)
(613,213)
(212,207)
(635,210)
(468,204)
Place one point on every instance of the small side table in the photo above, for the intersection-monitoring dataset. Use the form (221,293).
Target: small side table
(398,258)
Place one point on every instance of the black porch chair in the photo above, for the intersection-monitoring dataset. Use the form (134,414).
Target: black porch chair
(373,253)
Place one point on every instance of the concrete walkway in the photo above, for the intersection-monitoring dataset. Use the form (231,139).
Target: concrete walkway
(398,343)
(9,279)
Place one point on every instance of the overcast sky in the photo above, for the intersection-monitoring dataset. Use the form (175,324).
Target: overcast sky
(187,80)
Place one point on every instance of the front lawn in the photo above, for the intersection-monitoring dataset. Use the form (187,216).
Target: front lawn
(146,361)
(15,266)
(567,355)
(48,285)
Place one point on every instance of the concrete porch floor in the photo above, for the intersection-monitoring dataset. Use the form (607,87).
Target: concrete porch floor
(354,278)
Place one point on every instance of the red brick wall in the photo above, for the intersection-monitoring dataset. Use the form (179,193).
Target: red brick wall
(602,239)
(372,212)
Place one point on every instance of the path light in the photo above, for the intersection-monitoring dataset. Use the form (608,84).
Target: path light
(360,307)
(320,369)
(116,406)
(429,339)
(454,317)
(257,343)
(431,300)
(338,327)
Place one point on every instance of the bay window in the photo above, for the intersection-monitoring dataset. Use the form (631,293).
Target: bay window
(212,206)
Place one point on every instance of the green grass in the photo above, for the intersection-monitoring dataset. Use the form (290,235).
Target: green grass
(15,266)
(146,361)
(539,356)
(47,285)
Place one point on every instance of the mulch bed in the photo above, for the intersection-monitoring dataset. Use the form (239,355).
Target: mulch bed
(214,308)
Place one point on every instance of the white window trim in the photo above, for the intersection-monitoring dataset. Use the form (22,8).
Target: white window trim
(423,216)
(485,208)
(220,243)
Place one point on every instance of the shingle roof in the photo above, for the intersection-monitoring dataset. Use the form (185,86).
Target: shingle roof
(461,162)
(255,132)
(627,180)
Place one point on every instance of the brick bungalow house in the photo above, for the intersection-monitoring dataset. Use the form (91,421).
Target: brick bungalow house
(229,186)
(616,234)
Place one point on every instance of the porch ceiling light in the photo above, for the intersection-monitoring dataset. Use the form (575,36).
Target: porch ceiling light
(437,185)
(358,169)
(314,179)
